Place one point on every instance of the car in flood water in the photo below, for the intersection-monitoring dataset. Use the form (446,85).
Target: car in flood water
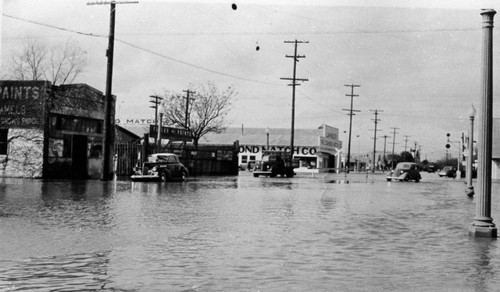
(161,167)
(405,171)
(448,171)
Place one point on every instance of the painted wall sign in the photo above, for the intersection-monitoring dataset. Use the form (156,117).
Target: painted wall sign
(301,151)
(135,122)
(330,132)
(22,103)
(328,145)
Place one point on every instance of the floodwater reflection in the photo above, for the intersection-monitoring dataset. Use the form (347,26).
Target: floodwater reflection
(243,234)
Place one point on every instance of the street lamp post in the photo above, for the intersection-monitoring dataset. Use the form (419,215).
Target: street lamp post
(470,158)
(483,225)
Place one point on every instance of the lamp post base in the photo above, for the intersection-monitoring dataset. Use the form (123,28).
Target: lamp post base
(483,231)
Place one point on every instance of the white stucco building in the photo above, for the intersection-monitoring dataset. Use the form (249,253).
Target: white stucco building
(317,148)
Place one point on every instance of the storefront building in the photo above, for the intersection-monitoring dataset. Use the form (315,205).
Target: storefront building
(316,149)
(51,131)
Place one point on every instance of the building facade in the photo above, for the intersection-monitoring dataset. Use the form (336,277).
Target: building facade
(51,131)
(317,149)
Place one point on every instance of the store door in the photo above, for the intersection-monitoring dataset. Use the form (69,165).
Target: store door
(79,157)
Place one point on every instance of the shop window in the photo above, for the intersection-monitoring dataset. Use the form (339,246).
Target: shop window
(244,159)
(3,141)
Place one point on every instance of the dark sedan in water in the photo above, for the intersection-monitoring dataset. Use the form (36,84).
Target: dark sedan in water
(405,171)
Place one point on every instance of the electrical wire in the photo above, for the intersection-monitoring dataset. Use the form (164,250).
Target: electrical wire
(56,27)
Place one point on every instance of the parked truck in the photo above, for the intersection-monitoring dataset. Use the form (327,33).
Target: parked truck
(274,163)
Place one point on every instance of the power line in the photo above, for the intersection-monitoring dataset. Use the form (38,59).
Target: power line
(195,66)
(143,49)
(234,33)
(55,27)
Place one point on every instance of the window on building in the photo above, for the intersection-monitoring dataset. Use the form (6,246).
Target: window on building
(76,124)
(244,159)
(3,141)
(252,157)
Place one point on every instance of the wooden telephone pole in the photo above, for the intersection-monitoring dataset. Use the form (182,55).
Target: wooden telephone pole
(107,168)
(294,83)
(188,92)
(376,120)
(351,113)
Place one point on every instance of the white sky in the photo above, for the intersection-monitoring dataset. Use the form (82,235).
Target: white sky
(418,62)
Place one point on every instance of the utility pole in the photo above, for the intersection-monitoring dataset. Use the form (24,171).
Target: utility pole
(406,142)
(375,137)
(393,143)
(294,83)
(107,169)
(385,141)
(155,100)
(351,113)
(186,122)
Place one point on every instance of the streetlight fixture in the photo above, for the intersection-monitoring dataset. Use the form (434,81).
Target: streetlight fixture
(470,158)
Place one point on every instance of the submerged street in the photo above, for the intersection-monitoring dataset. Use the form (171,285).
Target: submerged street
(321,232)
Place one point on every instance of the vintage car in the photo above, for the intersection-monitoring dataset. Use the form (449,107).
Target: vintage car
(405,171)
(161,167)
(448,171)
(275,163)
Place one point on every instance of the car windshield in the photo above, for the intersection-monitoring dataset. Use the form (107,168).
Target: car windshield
(167,158)
(404,166)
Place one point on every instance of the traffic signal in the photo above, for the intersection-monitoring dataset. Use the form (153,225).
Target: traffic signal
(448,140)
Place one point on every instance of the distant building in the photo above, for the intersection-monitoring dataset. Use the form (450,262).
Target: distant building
(315,148)
(50,131)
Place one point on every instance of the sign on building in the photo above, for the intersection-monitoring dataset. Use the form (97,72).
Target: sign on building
(22,103)
(170,133)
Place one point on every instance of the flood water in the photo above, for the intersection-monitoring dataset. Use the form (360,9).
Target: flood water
(311,233)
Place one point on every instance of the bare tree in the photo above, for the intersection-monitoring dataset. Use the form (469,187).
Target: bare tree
(207,109)
(59,65)
(29,63)
(65,65)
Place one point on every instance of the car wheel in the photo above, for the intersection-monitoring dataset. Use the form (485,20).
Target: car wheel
(417,180)
(388,179)
(165,176)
